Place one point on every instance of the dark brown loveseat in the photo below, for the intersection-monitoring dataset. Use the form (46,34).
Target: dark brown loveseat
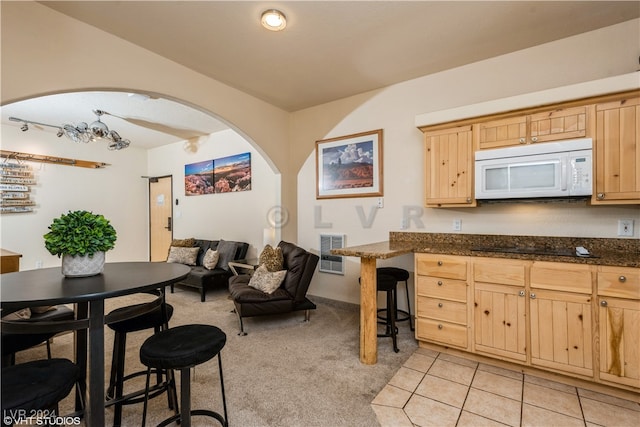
(289,297)
(203,278)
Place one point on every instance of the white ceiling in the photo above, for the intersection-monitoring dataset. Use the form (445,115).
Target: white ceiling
(329,50)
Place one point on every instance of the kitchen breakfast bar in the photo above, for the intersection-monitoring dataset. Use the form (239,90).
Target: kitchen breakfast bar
(369,254)
(604,252)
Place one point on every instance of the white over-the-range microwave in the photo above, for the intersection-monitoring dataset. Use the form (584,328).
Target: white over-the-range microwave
(551,169)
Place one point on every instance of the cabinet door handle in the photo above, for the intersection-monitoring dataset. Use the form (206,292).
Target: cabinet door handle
(534,139)
(600,196)
(522,141)
(439,263)
(521,293)
(439,282)
(622,279)
(440,326)
(532,295)
(603,303)
(440,304)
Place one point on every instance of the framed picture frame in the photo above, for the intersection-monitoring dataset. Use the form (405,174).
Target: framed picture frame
(350,166)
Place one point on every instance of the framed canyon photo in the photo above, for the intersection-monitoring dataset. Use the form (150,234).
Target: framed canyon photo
(349,166)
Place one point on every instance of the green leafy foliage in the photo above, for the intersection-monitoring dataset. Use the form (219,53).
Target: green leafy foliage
(80,233)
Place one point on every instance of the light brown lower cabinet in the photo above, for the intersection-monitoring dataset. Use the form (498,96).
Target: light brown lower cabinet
(560,303)
(441,294)
(619,318)
(499,317)
(576,319)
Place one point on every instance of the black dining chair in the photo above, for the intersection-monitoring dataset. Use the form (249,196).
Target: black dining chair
(39,385)
(14,343)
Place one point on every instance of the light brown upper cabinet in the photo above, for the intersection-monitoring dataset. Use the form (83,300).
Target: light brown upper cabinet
(617,152)
(449,167)
(546,126)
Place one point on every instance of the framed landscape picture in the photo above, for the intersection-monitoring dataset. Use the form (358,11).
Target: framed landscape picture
(198,178)
(349,166)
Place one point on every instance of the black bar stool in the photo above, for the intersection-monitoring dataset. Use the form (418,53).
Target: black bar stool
(182,348)
(135,318)
(401,275)
(387,283)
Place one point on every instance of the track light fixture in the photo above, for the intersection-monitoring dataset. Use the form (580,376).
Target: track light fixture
(83,132)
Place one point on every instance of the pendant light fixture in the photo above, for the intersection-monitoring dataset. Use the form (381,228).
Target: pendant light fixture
(83,132)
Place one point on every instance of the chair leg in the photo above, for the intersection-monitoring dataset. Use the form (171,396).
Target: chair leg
(392,319)
(202,294)
(242,332)
(121,343)
(406,283)
(185,397)
(307,315)
(146,398)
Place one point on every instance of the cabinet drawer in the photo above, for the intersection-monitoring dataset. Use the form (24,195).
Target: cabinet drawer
(442,288)
(562,277)
(444,266)
(442,332)
(501,271)
(619,282)
(440,309)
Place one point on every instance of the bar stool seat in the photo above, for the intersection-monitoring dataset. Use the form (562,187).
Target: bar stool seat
(182,348)
(401,275)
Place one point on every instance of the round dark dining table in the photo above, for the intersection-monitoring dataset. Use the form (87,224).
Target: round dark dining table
(47,286)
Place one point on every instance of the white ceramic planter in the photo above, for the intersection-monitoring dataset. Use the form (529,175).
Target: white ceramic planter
(82,266)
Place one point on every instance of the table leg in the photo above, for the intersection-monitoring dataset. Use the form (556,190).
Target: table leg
(95,416)
(368,312)
(80,342)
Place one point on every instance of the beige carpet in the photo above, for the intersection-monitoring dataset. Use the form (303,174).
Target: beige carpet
(285,372)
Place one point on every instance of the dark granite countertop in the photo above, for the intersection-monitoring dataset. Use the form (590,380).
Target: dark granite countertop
(612,252)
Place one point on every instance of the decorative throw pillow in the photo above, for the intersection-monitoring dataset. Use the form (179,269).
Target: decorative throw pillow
(272,258)
(184,243)
(210,259)
(182,255)
(22,314)
(227,252)
(267,281)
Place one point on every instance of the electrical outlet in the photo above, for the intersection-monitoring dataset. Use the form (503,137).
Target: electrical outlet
(625,227)
(403,224)
(39,264)
(457,225)
(380,203)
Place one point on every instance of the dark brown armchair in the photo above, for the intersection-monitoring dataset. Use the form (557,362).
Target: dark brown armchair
(289,297)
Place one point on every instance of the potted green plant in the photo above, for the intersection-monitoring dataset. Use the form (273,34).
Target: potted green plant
(81,238)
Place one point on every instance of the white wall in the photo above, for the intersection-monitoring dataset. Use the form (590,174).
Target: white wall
(121,194)
(117,192)
(240,216)
(607,52)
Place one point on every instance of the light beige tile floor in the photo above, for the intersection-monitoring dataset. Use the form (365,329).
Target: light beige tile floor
(437,389)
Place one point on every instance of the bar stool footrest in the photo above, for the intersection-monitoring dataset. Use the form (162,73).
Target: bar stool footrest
(382,319)
(203,412)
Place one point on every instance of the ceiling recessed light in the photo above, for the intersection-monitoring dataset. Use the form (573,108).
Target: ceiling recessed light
(273,20)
